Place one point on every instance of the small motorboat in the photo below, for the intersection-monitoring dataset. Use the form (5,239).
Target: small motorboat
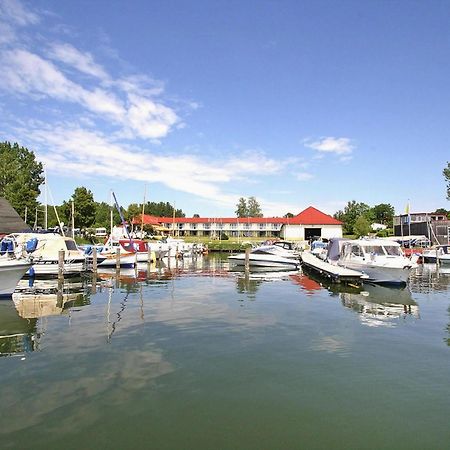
(440,254)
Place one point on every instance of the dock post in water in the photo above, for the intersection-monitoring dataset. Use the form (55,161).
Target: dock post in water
(61,264)
(94,260)
(247,259)
(118,258)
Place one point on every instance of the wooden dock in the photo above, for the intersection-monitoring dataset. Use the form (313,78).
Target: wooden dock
(337,274)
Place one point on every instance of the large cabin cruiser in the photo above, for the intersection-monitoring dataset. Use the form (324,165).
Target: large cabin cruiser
(381,260)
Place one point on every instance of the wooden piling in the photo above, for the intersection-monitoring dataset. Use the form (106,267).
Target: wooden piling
(118,258)
(61,264)
(94,260)
(247,259)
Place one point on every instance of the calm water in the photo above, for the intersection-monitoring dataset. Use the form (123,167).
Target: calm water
(196,357)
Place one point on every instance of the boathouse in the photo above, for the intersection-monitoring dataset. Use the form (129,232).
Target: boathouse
(10,221)
(436,227)
(309,224)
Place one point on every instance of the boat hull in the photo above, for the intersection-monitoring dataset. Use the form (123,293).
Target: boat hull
(51,267)
(382,274)
(10,275)
(125,261)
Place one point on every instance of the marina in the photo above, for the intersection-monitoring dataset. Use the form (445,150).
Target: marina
(116,355)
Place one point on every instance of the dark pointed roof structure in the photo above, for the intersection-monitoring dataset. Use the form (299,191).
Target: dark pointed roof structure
(10,221)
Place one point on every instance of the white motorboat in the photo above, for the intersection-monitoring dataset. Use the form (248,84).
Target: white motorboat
(381,260)
(441,254)
(11,271)
(43,251)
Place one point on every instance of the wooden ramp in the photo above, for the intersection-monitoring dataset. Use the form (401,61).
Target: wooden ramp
(335,273)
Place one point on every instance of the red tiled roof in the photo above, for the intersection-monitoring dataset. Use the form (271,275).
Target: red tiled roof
(310,216)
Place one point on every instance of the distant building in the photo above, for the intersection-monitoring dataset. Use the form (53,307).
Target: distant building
(309,224)
(10,221)
(436,227)
(378,226)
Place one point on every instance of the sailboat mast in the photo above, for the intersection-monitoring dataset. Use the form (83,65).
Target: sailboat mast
(143,211)
(73,220)
(45,200)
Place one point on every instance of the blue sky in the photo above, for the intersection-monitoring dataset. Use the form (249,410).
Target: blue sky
(297,103)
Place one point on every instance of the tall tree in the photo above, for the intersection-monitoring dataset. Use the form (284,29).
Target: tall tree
(289,215)
(351,212)
(20,177)
(241,208)
(446,173)
(383,213)
(253,208)
(84,206)
(361,226)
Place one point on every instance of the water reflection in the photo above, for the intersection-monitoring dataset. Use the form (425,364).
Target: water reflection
(381,306)
(429,278)
(17,335)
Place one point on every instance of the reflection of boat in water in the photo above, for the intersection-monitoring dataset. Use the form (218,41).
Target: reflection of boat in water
(47,297)
(265,257)
(430,277)
(380,305)
(17,335)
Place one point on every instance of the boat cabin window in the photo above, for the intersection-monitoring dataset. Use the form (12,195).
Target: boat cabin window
(392,250)
(71,245)
(357,250)
(374,250)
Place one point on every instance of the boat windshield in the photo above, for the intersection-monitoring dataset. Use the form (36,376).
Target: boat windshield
(393,250)
(374,250)
(71,245)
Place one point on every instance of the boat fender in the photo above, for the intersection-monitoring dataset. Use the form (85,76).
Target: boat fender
(31,245)
(31,272)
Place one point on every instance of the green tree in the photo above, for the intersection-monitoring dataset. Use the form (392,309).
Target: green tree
(446,173)
(383,213)
(289,215)
(253,208)
(361,226)
(20,178)
(241,208)
(162,209)
(351,212)
(133,210)
(84,207)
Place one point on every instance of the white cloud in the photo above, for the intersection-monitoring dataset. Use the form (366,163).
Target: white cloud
(70,150)
(83,62)
(339,146)
(13,11)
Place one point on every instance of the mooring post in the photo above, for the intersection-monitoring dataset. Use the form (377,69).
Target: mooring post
(247,259)
(61,264)
(94,260)
(118,258)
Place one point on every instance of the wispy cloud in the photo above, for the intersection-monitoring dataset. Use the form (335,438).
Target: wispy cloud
(14,11)
(304,176)
(83,62)
(70,150)
(339,146)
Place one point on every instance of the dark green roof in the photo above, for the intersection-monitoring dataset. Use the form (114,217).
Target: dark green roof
(10,221)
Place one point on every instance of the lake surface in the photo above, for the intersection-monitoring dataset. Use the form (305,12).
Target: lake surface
(192,356)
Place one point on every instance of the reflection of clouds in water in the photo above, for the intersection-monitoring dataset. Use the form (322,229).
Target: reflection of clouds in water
(204,302)
(331,344)
(116,380)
